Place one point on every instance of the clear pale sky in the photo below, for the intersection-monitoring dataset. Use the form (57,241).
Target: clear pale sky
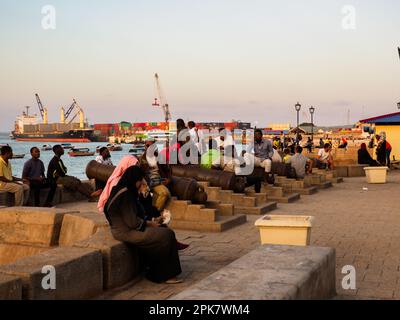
(218,59)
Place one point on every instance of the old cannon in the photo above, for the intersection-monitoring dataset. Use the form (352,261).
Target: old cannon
(183,188)
(217,178)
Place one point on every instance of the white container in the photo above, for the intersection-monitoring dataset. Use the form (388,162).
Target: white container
(285,229)
(376,174)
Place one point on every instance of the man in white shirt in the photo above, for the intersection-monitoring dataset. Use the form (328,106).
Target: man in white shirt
(104,158)
(195,136)
(325,158)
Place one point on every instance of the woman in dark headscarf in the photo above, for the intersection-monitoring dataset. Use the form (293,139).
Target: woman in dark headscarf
(364,157)
(155,243)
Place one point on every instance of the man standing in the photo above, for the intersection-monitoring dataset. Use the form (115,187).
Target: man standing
(11,184)
(299,163)
(57,174)
(33,175)
(263,152)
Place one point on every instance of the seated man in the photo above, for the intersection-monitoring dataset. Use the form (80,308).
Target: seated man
(286,156)
(57,174)
(263,152)
(158,176)
(104,157)
(299,162)
(325,158)
(11,184)
(33,175)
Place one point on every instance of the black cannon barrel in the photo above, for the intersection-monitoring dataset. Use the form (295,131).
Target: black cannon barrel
(181,187)
(217,178)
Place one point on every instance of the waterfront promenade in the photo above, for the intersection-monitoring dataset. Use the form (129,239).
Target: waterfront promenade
(363,226)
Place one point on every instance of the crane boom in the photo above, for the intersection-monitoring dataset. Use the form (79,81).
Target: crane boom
(40,105)
(75,105)
(161,100)
(68,112)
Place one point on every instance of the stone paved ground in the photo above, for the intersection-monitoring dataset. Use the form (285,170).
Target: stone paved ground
(363,226)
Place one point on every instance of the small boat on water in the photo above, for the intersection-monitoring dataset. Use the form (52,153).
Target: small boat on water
(46,147)
(80,152)
(67,146)
(137,150)
(114,147)
(18,156)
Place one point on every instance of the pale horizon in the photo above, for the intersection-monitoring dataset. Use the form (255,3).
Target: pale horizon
(217,61)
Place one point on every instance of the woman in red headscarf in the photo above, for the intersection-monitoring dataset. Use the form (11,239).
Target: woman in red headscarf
(364,157)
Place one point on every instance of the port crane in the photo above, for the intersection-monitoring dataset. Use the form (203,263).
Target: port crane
(74,107)
(160,99)
(40,105)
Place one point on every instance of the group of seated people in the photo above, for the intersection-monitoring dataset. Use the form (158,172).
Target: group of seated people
(135,196)
(34,178)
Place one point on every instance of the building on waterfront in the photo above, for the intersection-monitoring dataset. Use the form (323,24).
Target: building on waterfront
(390,123)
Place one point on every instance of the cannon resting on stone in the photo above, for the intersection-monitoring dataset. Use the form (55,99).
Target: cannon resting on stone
(183,188)
(217,178)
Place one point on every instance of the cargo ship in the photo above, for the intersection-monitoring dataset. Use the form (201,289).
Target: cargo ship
(28,127)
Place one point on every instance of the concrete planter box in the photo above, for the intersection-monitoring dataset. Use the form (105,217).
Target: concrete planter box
(376,174)
(285,229)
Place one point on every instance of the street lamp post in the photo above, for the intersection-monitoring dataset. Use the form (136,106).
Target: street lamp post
(312,110)
(297,107)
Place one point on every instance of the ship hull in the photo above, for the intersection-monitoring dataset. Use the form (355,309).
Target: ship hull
(53,140)
(71,136)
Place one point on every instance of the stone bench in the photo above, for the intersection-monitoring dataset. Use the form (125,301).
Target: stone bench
(351,170)
(88,260)
(271,272)
(62,195)
(10,287)
(79,274)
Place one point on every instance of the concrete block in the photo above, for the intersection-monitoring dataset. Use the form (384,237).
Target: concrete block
(79,274)
(199,213)
(277,272)
(80,226)
(213,193)
(31,226)
(120,261)
(240,199)
(258,210)
(13,252)
(10,287)
(356,170)
(225,196)
(224,209)
(221,224)
(178,208)
(341,171)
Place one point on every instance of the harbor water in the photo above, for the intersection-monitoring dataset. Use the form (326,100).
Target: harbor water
(76,165)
